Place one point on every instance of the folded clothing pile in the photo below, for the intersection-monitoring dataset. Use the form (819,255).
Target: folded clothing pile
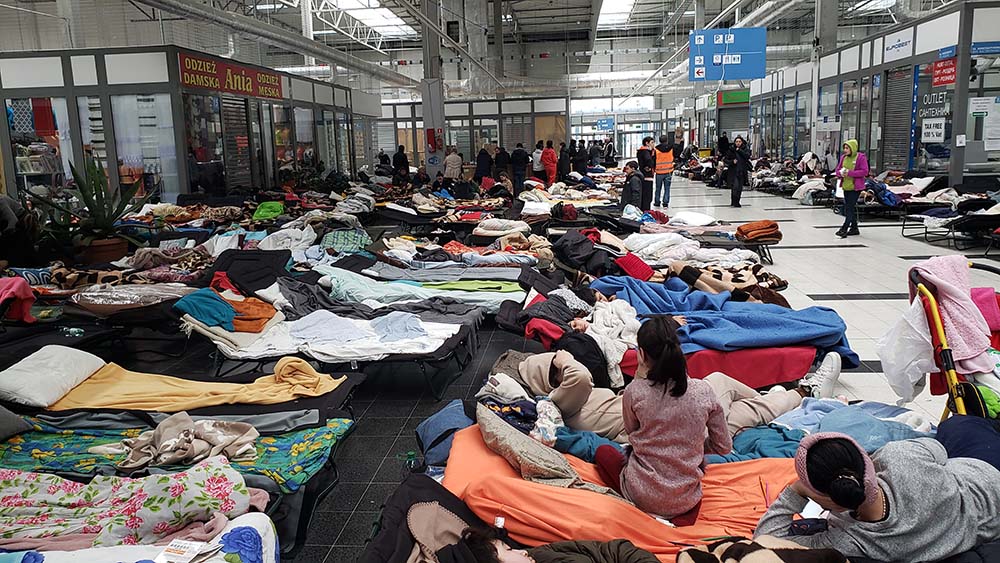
(763,232)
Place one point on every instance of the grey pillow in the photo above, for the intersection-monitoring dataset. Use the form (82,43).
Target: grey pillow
(11,425)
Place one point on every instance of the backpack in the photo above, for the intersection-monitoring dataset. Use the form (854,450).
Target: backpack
(435,434)
(465,190)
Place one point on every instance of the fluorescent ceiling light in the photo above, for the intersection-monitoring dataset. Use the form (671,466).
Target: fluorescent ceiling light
(264,7)
(324,32)
(873,6)
(614,13)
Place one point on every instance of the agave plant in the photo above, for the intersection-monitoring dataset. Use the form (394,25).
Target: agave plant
(103,207)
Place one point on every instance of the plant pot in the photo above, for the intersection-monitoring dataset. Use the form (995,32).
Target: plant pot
(103,250)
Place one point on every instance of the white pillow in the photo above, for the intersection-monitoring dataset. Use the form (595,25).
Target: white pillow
(46,376)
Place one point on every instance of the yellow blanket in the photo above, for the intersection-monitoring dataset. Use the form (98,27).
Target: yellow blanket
(115,387)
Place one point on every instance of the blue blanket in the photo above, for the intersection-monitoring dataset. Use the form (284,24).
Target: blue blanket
(581,443)
(870,432)
(812,411)
(714,322)
(761,441)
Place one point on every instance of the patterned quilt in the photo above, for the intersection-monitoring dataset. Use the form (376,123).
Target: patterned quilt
(288,459)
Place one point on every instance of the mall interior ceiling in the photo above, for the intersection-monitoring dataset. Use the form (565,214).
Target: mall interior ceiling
(590,48)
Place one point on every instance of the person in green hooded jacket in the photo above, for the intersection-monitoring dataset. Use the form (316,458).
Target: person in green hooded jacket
(852,171)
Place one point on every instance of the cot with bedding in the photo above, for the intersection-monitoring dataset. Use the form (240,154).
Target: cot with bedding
(296,467)
(736,495)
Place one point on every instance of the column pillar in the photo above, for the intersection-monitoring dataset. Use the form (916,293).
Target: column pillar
(306,11)
(960,104)
(432,93)
(824,42)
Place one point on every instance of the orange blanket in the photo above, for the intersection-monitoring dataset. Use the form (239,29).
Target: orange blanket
(535,514)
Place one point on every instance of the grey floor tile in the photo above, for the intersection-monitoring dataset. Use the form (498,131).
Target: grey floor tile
(358,531)
(357,470)
(344,554)
(371,426)
(310,554)
(390,471)
(326,526)
(367,447)
(344,497)
(392,407)
(375,497)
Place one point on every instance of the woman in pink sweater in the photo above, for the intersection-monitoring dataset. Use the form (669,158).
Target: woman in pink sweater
(667,417)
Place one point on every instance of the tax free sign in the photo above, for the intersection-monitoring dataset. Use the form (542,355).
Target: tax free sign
(727,54)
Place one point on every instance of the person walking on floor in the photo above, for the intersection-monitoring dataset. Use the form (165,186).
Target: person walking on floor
(664,158)
(664,411)
(595,153)
(501,162)
(537,167)
(484,165)
(550,161)
(647,165)
(737,168)
(581,159)
(453,165)
(565,160)
(852,171)
(401,163)
(610,156)
(519,161)
(632,191)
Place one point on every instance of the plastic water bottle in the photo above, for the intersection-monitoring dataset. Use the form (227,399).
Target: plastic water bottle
(410,464)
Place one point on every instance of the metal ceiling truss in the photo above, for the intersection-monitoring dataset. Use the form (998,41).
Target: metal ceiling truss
(335,19)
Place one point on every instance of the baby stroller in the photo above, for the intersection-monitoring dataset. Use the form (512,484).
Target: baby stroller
(964,397)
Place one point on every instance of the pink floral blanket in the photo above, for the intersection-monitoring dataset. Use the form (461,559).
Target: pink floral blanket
(118,510)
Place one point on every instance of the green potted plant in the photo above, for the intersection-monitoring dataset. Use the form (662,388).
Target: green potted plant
(94,230)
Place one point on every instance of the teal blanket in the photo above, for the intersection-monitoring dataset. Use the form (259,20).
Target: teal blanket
(288,459)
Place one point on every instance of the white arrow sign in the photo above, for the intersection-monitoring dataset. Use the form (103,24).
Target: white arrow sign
(699,72)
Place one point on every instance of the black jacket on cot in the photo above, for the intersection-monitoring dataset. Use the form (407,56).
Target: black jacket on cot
(586,351)
(519,160)
(502,160)
(647,164)
(401,163)
(632,191)
(581,161)
(577,251)
(393,543)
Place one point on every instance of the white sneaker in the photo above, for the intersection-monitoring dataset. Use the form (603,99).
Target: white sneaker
(822,382)
(775,389)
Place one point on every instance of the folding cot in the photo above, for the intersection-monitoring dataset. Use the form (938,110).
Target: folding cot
(305,480)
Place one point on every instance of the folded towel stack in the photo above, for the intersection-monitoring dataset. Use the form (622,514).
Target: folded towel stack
(763,232)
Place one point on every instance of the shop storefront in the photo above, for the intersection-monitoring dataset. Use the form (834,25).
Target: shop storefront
(172,120)
(472,125)
(726,111)
(901,95)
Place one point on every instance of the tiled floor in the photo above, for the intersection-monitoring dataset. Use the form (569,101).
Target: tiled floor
(863,278)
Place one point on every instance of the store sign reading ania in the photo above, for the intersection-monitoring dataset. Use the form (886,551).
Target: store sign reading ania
(211,74)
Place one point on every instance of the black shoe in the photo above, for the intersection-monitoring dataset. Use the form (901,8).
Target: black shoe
(735,205)
(841,233)
(853,233)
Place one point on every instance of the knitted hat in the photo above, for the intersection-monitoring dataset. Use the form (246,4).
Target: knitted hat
(870,482)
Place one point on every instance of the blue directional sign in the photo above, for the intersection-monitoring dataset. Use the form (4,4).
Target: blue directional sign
(606,124)
(727,54)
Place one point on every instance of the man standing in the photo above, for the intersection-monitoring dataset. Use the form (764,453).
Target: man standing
(501,162)
(537,168)
(595,153)
(519,160)
(647,167)
(664,154)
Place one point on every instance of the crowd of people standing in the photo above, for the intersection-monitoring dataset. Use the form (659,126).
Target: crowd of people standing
(545,163)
